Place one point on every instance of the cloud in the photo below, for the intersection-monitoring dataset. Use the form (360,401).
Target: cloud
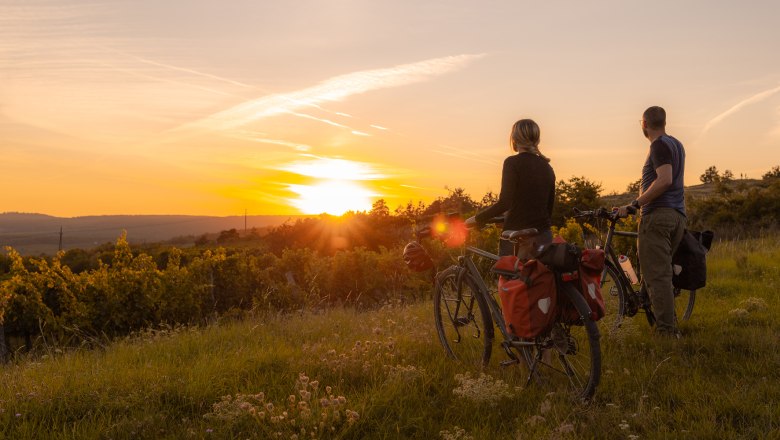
(758,97)
(333,89)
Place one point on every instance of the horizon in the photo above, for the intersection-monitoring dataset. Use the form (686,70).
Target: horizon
(207,109)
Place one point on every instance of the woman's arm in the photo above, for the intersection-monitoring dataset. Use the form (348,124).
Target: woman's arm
(508,186)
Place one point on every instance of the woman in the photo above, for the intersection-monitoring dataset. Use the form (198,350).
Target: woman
(527,188)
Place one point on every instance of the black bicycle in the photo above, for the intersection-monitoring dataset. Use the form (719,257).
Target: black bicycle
(624,297)
(466,313)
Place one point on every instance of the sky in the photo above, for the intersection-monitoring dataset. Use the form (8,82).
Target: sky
(277,107)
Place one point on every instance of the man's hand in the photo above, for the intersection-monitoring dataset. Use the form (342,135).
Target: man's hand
(624,211)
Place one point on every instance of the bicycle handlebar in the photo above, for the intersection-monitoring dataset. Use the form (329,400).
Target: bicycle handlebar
(611,215)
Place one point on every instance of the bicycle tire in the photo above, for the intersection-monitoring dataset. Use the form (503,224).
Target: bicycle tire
(683,303)
(614,294)
(583,367)
(462,318)
(562,351)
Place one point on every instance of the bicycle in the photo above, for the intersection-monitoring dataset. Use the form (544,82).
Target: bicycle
(466,311)
(623,298)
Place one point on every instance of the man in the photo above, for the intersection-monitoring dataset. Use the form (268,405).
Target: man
(663,218)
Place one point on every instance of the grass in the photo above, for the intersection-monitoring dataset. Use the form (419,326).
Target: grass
(389,379)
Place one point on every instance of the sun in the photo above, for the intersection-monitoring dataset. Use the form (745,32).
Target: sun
(334,197)
(337,185)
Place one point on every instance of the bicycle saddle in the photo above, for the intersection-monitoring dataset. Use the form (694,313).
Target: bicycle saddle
(516,235)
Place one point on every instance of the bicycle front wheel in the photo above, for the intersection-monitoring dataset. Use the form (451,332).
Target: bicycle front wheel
(612,290)
(462,317)
(683,303)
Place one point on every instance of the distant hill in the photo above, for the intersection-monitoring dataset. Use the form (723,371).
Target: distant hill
(33,234)
(691,192)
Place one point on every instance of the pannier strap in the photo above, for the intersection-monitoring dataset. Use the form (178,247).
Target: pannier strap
(516,235)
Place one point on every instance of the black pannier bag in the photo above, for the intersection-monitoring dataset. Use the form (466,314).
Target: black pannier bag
(690,260)
(561,256)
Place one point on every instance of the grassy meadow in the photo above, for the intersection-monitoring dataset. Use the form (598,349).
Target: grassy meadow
(382,374)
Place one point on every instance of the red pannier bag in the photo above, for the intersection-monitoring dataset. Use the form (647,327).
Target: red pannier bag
(587,279)
(528,296)
(591,268)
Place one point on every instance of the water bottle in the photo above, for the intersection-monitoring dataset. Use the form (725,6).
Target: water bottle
(628,269)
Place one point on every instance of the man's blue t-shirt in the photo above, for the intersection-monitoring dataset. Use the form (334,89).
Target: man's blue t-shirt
(665,150)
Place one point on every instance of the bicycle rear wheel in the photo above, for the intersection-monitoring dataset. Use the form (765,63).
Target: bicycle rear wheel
(573,351)
(683,303)
(462,317)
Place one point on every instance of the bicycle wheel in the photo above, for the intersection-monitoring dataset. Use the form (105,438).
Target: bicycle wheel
(683,303)
(578,349)
(462,318)
(612,290)
(573,351)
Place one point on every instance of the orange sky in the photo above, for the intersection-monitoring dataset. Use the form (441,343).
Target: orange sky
(198,107)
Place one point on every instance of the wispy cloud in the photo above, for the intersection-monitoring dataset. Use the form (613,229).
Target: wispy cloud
(460,153)
(758,97)
(334,89)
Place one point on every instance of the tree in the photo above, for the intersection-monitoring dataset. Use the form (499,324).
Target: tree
(774,173)
(457,201)
(633,187)
(578,192)
(489,199)
(379,209)
(727,176)
(710,175)
(228,236)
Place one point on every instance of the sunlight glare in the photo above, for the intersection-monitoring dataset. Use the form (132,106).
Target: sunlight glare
(334,197)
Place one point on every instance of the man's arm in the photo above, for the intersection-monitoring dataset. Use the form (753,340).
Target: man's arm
(661,183)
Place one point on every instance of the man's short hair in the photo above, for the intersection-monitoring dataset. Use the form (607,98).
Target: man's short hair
(655,117)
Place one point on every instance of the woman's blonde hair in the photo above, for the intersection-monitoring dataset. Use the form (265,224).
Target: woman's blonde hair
(525,133)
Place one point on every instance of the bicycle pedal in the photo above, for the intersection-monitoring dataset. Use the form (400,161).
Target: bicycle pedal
(510,362)
(460,322)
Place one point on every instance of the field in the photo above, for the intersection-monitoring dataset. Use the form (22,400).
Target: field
(380,374)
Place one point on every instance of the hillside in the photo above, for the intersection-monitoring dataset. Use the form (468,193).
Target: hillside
(33,234)
(691,192)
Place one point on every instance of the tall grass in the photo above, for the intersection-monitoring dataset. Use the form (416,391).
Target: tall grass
(382,374)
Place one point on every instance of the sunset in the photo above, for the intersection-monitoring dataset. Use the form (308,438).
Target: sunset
(375,219)
(204,108)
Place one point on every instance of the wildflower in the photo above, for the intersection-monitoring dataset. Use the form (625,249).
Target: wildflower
(269,406)
(314,384)
(534,420)
(352,417)
(209,430)
(545,407)
(305,395)
(623,425)
(328,389)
